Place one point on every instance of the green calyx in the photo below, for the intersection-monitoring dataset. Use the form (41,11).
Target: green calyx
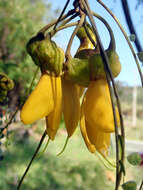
(78,71)
(46,54)
(90,60)
(96,65)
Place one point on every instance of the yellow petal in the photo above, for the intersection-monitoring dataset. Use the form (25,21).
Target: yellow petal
(71,105)
(100,139)
(98,108)
(40,102)
(54,118)
(83,129)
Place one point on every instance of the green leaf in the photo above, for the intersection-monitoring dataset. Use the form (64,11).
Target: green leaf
(134,158)
(140,56)
(129,185)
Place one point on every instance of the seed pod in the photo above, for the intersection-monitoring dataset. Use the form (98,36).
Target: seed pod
(46,54)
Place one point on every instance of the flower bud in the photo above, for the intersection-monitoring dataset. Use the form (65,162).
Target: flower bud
(46,54)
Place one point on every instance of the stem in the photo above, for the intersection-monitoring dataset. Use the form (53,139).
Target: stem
(64,146)
(108,74)
(141,186)
(130,24)
(59,19)
(33,157)
(19,107)
(67,54)
(32,82)
(63,24)
(126,37)
(45,28)
(63,27)
(112,45)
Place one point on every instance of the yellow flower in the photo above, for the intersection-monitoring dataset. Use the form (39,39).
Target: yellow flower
(97,120)
(52,96)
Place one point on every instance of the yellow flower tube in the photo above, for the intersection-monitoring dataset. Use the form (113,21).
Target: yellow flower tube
(54,118)
(40,102)
(71,105)
(83,128)
(98,108)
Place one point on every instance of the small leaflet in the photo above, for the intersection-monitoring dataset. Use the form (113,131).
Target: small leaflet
(140,56)
(132,37)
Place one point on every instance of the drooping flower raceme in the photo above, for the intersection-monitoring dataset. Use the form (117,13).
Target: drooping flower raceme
(97,120)
(55,94)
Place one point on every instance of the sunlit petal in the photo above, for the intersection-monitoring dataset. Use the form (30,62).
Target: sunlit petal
(71,105)
(40,102)
(98,108)
(54,118)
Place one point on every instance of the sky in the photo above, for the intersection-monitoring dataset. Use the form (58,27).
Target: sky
(129,73)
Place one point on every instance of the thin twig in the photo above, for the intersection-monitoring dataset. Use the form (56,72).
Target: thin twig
(141,186)
(67,54)
(52,33)
(63,27)
(21,104)
(126,37)
(33,157)
(59,19)
(113,46)
(45,28)
(130,24)
(106,64)
(32,82)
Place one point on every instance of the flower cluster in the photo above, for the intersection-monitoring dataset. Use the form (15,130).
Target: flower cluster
(59,91)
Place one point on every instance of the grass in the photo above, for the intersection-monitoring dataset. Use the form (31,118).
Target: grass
(75,169)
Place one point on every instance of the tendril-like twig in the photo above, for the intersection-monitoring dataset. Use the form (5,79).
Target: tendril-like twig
(59,19)
(63,25)
(33,157)
(67,54)
(126,37)
(45,28)
(109,76)
(141,186)
(21,104)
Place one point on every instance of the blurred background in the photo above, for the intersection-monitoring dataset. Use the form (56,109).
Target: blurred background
(76,168)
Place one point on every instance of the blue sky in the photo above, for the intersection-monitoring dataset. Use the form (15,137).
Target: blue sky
(129,73)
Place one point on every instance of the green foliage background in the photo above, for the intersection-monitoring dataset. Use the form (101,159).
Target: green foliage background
(75,169)
(19,21)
